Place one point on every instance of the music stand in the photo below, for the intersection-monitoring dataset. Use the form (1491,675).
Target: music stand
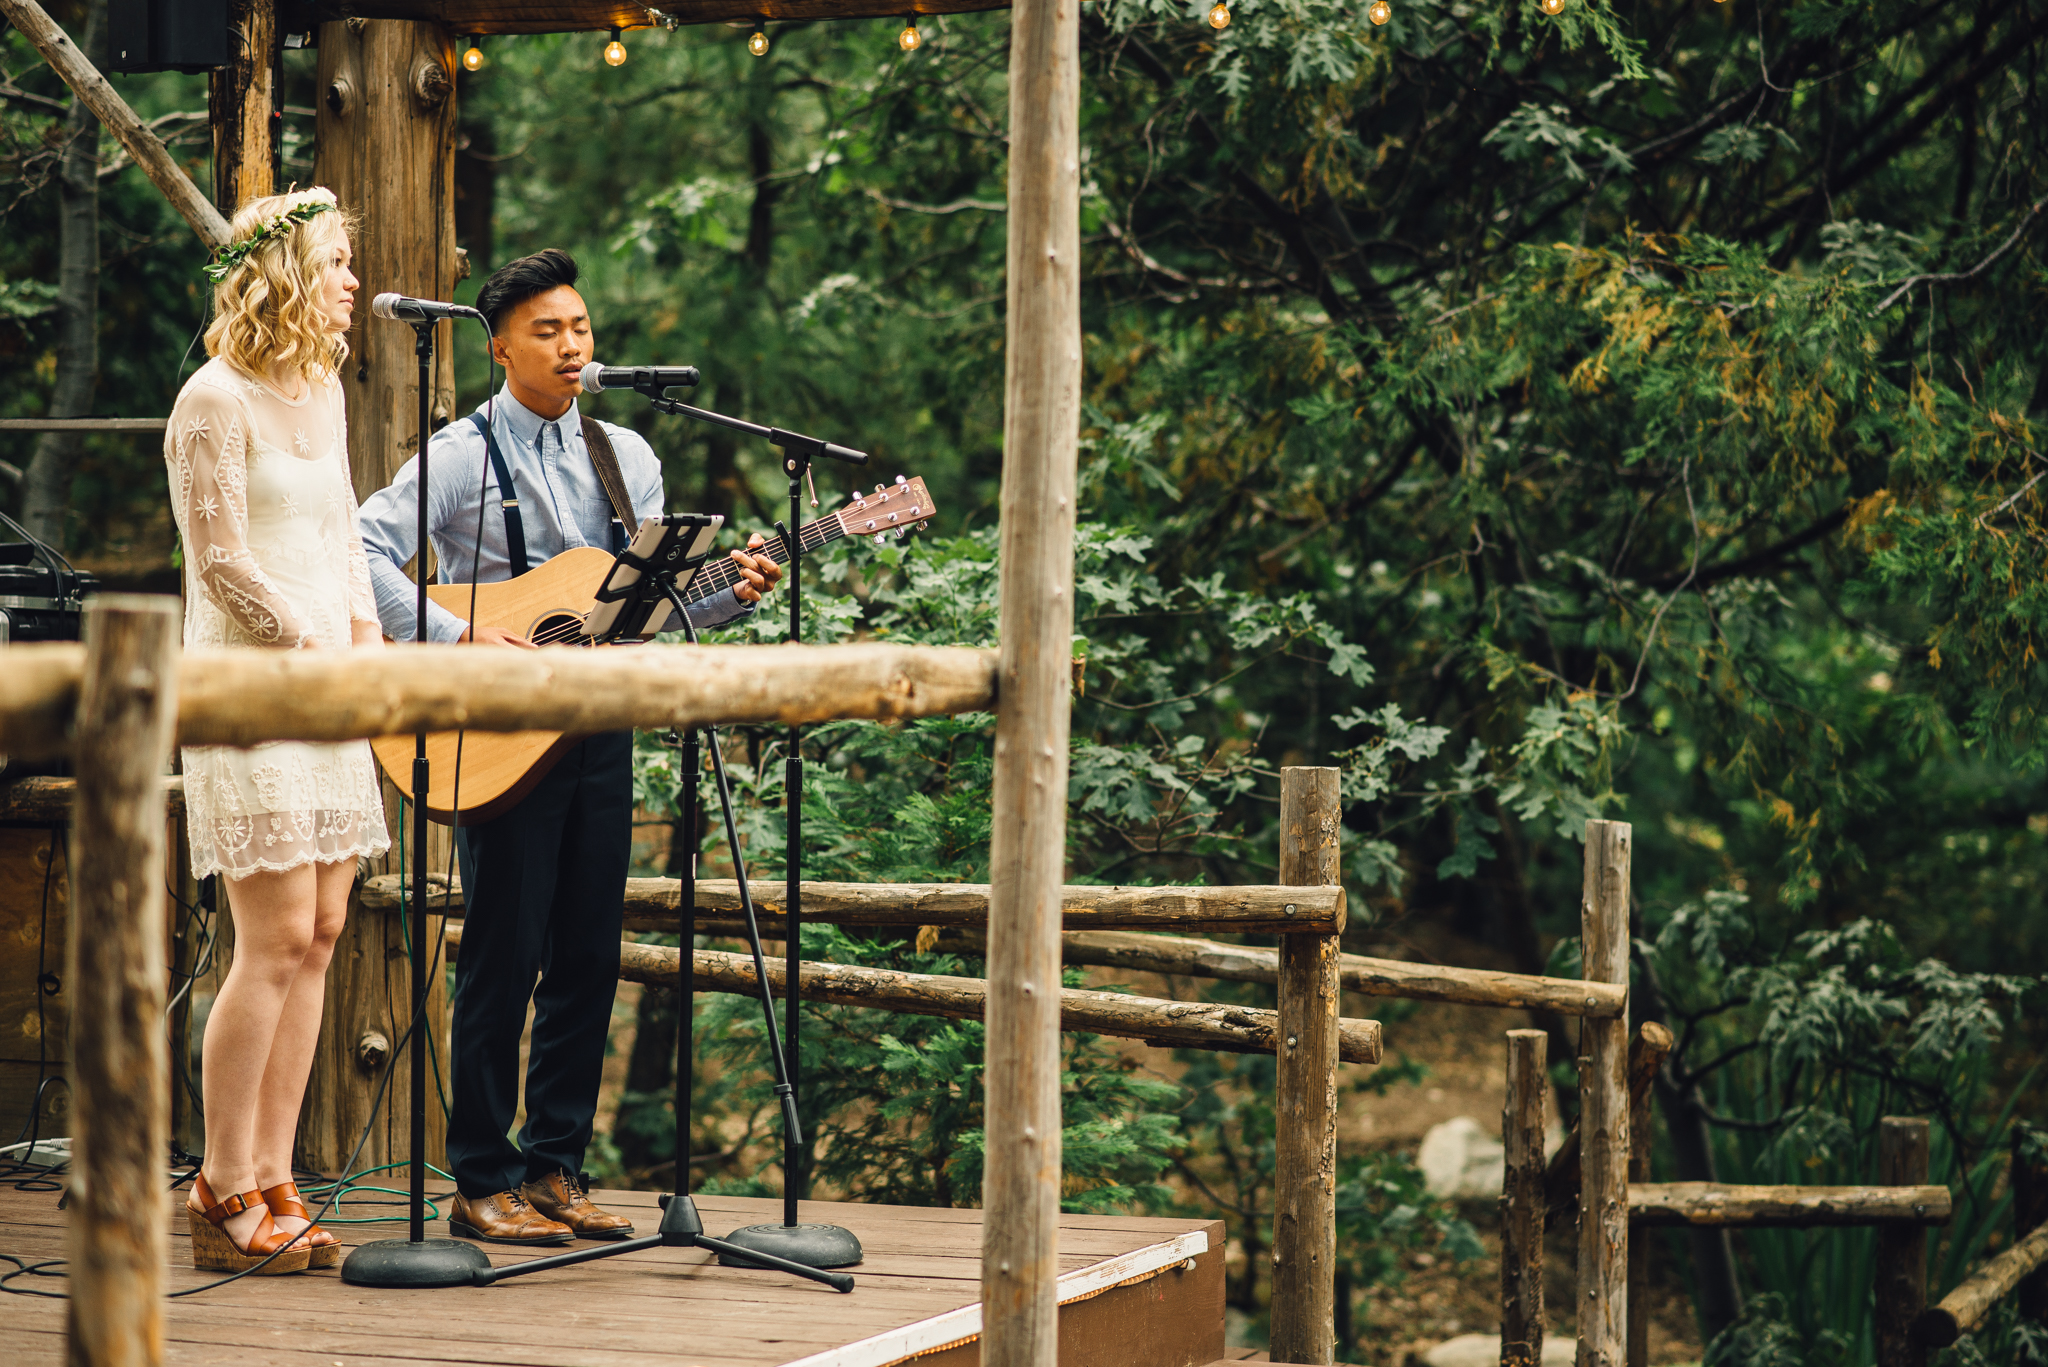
(643,579)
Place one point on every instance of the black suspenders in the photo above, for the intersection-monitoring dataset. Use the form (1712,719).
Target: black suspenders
(508,498)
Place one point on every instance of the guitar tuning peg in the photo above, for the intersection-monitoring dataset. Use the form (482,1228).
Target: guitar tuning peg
(880,487)
(881,537)
(902,532)
(901,480)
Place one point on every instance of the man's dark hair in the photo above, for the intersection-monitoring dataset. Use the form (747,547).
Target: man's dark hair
(515,282)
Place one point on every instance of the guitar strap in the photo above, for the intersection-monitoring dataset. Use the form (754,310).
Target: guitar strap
(606,462)
(508,498)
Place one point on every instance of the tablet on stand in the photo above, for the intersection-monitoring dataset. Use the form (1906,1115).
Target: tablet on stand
(630,605)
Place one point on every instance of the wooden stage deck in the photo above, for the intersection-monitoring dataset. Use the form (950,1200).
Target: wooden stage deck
(1134,1293)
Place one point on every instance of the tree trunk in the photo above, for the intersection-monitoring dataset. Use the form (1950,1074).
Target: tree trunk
(46,503)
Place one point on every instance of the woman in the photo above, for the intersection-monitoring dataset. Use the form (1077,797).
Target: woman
(258,457)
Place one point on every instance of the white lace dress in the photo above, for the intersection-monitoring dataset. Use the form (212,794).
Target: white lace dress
(273,561)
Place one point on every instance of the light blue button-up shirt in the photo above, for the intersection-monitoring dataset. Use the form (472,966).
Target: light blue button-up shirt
(562,504)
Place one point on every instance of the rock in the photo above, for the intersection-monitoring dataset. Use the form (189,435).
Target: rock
(1483,1350)
(1459,1159)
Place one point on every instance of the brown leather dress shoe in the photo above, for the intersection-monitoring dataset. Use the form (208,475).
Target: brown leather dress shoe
(559,1196)
(504,1218)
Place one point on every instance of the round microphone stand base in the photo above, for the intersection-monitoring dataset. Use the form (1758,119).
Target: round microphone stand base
(419,1263)
(811,1245)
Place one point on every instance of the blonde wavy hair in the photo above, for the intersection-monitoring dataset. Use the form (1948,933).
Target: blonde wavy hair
(267,310)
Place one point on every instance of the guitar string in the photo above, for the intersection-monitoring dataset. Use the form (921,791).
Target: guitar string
(722,574)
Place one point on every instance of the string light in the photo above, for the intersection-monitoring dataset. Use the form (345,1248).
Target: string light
(1379,11)
(1219,15)
(1553,6)
(473,57)
(757,42)
(909,39)
(615,51)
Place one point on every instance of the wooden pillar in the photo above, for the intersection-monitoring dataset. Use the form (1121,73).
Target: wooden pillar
(1604,1104)
(1653,1044)
(116,1235)
(2030,1212)
(1027,849)
(1901,1272)
(1522,1122)
(386,147)
(241,100)
(1305,1162)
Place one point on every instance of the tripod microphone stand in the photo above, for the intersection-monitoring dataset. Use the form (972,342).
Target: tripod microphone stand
(817,1245)
(681,1226)
(417,1261)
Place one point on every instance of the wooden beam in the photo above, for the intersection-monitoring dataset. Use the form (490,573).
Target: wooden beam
(1522,1122)
(1304,1325)
(384,142)
(240,99)
(44,801)
(1719,1203)
(144,146)
(1027,847)
(1964,1308)
(1603,1104)
(652,905)
(1166,1024)
(117,1236)
(1901,1272)
(1646,1054)
(244,697)
(564,16)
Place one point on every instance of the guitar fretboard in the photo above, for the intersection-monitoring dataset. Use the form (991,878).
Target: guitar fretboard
(716,576)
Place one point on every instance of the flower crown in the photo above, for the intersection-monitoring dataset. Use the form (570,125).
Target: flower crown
(305,204)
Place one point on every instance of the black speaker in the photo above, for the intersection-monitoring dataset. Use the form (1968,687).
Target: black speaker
(167,35)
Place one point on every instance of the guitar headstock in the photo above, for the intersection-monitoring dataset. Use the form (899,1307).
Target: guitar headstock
(889,508)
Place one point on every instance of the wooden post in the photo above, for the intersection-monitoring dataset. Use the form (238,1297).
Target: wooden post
(1646,1055)
(1041,429)
(1603,1104)
(1305,1177)
(385,140)
(385,144)
(1522,1123)
(1901,1273)
(116,1235)
(240,100)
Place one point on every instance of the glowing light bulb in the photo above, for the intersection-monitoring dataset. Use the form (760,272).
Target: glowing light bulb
(909,39)
(1553,6)
(757,43)
(473,57)
(1380,11)
(615,51)
(1219,15)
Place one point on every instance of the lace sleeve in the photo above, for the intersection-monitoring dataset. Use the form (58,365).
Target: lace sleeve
(362,598)
(207,448)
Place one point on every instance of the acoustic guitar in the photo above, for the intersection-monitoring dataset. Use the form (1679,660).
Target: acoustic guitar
(549,604)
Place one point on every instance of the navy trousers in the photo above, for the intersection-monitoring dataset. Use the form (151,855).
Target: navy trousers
(545,885)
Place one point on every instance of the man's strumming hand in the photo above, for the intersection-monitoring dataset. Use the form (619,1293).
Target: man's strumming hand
(496,636)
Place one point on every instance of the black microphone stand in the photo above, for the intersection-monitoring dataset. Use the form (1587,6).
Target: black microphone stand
(681,1226)
(417,1261)
(817,1245)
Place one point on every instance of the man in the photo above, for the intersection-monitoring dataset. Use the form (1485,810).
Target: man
(545,881)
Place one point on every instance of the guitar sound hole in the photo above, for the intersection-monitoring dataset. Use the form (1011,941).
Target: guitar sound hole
(556,627)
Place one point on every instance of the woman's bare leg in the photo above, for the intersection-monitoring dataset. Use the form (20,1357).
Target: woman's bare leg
(298,1031)
(275,915)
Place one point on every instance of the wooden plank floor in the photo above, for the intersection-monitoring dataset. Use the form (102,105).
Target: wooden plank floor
(667,1305)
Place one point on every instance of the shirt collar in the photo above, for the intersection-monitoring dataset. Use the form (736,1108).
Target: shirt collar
(525,424)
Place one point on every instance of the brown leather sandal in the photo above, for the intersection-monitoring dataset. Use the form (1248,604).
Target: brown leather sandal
(284,1199)
(215,1250)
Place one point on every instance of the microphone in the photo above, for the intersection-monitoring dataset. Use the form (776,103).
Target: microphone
(399,308)
(648,379)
